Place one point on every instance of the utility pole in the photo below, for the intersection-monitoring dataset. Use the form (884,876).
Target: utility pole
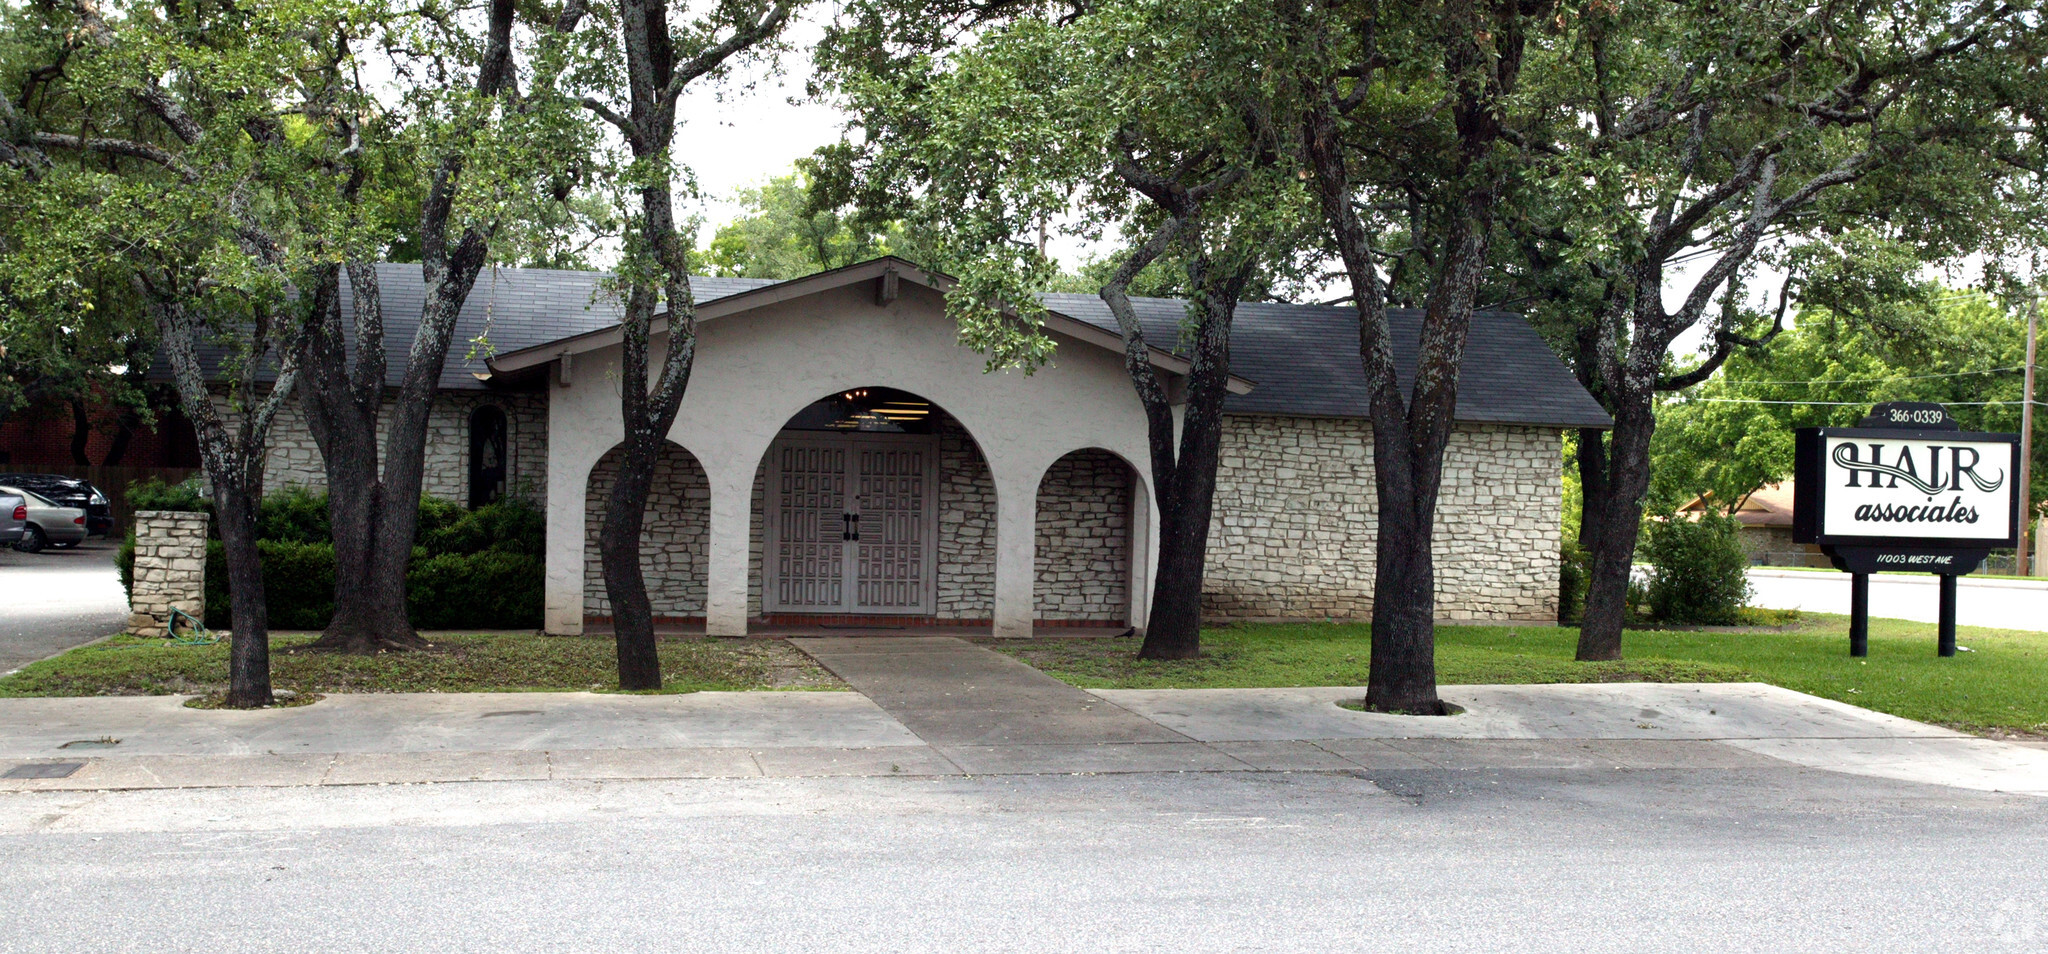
(2026,566)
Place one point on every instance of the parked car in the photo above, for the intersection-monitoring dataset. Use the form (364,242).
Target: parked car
(69,492)
(49,523)
(13,518)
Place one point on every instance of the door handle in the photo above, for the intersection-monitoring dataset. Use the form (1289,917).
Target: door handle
(850,526)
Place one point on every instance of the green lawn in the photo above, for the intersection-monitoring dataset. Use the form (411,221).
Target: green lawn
(127,665)
(2001,686)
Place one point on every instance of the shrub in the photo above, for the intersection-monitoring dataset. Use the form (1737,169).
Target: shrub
(1572,578)
(488,590)
(436,517)
(1699,571)
(480,568)
(298,583)
(124,563)
(294,514)
(151,493)
(508,526)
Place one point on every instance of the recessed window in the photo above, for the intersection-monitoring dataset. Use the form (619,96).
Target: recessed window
(486,456)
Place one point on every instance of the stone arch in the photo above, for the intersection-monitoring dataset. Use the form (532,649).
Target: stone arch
(675,536)
(965,500)
(1085,532)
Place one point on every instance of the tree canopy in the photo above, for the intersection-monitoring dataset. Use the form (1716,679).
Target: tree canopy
(1734,433)
(783,234)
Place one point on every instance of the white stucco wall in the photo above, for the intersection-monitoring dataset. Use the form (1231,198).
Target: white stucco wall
(755,369)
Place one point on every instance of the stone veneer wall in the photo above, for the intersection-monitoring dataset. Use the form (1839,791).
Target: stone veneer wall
(294,458)
(170,570)
(967,526)
(1292,537)
(675,537)
(1084,539)
(1295,524)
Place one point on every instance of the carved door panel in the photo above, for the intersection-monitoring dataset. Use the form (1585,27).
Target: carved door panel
(894,547)
(807,502)
(852,525)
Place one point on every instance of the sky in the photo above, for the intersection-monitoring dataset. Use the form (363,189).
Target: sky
(744,136)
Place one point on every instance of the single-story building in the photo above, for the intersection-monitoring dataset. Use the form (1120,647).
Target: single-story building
(841,459)
(1763,523)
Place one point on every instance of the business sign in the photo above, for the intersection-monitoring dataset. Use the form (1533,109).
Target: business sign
(1909,487)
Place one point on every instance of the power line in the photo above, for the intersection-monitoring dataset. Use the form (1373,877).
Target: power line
(1849,403)
(1885,380)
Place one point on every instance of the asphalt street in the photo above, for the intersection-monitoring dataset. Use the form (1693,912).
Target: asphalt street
(1503,860)
(57,599)
(2007,604)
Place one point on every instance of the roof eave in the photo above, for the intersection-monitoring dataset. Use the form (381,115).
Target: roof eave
(531,357)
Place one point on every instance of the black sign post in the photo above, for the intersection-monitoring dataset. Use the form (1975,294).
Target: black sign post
(1906,489)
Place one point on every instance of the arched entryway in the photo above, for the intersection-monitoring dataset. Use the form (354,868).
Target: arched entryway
(1084,557)
(674,537)
(873,505)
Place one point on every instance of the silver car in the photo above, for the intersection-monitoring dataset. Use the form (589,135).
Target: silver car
(47,522)
(13,518)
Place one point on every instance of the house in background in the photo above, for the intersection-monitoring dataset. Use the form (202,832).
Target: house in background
(840,459)
(1763,522)
(96,441)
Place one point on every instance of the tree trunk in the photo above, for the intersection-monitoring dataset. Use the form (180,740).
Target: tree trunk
(1409,431)
(1591,460)
(373,504)
(341,397)
(1173,627)
(1408,455)
(624,583)
(81,433)
(654,80)
(124,434)
(1611,545)
(234,460)
(249,646)
(1402,677)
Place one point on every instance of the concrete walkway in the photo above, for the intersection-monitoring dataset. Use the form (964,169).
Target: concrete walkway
(954,693)
(942,707)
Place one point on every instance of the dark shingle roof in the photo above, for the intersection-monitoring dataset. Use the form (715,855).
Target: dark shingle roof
(1304,360)
(512,308)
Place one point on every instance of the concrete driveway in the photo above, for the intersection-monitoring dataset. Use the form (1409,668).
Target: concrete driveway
(57,599)
(2006,604)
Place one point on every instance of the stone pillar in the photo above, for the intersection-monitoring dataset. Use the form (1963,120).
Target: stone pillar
(170,570)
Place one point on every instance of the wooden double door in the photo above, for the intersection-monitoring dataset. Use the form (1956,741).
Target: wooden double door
(852,525)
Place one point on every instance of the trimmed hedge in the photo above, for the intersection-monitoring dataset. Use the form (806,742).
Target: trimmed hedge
(477,568)
(488,590)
